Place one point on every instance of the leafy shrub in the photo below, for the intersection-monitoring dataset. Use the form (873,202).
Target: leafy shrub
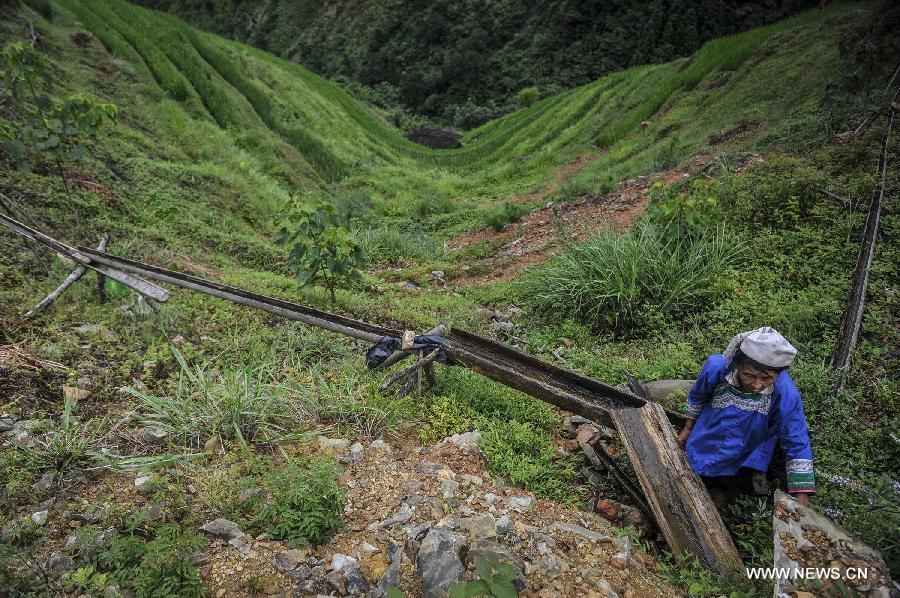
(152,560)
(779,193)
(499,216)
(432,204)
(623,282)
(304,504)
(527,96)
(683,216)
(320,248)
(239,404)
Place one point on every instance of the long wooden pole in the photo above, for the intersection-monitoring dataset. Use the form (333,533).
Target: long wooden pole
(848,333)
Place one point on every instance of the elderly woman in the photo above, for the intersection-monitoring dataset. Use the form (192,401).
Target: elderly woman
(743,406)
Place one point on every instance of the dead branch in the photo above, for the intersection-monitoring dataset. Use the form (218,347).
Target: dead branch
(16,355)
(69,281)
(414,368)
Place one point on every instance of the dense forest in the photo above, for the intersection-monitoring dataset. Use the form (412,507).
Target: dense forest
(463,63)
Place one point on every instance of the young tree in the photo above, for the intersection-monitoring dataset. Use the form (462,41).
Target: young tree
(50,129)
(321,250)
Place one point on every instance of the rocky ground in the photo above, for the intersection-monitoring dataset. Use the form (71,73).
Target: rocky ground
(416,519)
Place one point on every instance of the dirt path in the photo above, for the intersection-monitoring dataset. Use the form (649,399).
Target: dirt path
(539,234)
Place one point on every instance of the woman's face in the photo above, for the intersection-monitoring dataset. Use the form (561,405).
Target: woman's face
(754,380)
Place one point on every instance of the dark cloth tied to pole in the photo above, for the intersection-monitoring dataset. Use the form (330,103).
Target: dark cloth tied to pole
(387,345)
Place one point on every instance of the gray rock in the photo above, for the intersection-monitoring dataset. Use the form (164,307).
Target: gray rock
(40,517)
(439,274)
(222,528)
(380,445)
(60,564)
(594,576)
(403,515)
(418,531)
(157,511)
(491,499)
(6,424)
(241,544)
(289,559)
(410,285)
(622,559)
(338,582)
(505,528)
(438,562)
(302,572)
(478,528)
(449,488)
(112,591)
(468,442)
(333,444)
(521,503)
(142,485)
(100,540)
(341,562)
(88,329)
(660,389)
(550,565)
(391,576)
(356,452)
(580,531)
(154,436)
(44,483)
(248,493)
(356,582)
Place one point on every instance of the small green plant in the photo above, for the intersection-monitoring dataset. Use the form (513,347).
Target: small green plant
(304,504)
(527,96)
(51,130)
(72,443)
(321,250)
(683,217)
(494,580)
(507,213)
(238,404)
(87,581)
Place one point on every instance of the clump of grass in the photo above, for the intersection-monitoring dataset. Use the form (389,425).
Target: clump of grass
(238,404)
(432,204)
(392,244)
(507,213)
(72,443)
(620,282)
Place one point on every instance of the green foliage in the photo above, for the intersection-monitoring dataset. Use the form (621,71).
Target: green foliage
(687,573)
(152,560)
(321,250)
(494,580)
(504,214)
(87,581)
(780,193)
(70,444)
(42,7)
(527,96)
(391,243)
(623,282)
(241,404)
(684,215)
(50,130)
(304,505)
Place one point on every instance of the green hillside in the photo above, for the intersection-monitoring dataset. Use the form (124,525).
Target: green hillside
(212,140)
(464,62)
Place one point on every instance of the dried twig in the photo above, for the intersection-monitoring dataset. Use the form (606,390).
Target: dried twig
(69,281)
(413,369)
(16,355)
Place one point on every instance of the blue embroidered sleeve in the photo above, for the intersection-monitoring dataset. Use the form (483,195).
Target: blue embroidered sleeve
(787,413)
(701,392)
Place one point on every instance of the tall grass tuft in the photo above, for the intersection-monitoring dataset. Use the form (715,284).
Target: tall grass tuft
(239,404)
(42,7)
(623,282)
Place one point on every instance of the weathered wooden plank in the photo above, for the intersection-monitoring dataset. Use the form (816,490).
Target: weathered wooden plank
(683,508)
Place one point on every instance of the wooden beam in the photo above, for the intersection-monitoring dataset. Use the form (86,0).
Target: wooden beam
(680,502)
(848,333)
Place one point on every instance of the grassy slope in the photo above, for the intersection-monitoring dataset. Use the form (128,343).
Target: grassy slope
(184,185)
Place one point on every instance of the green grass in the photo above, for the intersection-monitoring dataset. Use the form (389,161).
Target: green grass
(196,180)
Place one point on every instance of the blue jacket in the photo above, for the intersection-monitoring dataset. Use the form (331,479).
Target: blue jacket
(737,429)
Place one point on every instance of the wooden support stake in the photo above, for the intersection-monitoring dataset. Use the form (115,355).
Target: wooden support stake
(851,322)
(411,370)
(599,458)
(69,281)
(683,508)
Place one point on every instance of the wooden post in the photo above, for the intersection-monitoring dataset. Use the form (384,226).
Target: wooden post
(683,508)
(69,281)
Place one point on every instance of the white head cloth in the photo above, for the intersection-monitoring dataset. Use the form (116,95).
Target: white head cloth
(764,345)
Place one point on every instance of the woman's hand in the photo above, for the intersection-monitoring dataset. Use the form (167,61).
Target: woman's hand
(802,498)
(685,432)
